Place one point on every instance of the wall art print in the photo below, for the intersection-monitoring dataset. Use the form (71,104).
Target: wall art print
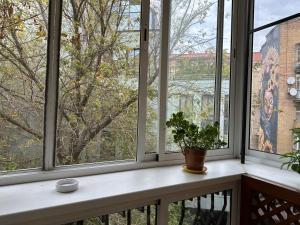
(268,93)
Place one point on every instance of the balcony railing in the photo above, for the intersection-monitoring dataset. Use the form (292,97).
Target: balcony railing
(208,209)
(265,203)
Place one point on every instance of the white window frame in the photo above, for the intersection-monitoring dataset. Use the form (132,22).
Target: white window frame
(143,160)
(164,154)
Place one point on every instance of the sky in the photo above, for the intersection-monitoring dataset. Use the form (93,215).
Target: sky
(267,11)
(209,26)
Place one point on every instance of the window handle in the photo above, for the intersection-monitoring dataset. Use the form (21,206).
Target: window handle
(145,34)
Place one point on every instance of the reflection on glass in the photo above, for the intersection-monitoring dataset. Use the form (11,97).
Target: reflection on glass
(98,85)
(268,11)
(23,54)
(226,72)
(153,74)
(192,64)
(275,93)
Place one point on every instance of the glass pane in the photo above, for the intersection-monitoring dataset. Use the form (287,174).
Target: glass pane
(23,56)
(268,11)
(153,75)
(98,85)
(212,208)
(275,94)
(192,62)
(226,72)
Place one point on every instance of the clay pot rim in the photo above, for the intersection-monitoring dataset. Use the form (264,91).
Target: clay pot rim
(195,149)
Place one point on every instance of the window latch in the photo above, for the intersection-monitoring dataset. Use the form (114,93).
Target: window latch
(145,34)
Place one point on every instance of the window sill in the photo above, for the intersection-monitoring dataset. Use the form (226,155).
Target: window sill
(39,201)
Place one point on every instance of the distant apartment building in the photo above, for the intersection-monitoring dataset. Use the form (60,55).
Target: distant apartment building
(192,88)
(275,97)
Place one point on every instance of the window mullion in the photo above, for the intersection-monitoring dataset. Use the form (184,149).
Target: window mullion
(219,59)
(163,79)
(247,82)
(51,95)
(143,75)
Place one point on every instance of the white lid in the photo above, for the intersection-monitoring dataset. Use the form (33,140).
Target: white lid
(67,185)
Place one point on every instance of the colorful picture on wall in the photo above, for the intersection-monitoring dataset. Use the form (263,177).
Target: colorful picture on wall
(268,93)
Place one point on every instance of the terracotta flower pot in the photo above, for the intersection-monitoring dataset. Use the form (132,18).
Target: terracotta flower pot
(194,158)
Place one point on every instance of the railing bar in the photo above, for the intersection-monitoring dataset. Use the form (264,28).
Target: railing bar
(105,219)
(223,208)
(80,222)
(156,213)
(141,209)
(148,215)
(123,213)
(212,200)
(212,207)
(182,212)
(129,217)
(197,217)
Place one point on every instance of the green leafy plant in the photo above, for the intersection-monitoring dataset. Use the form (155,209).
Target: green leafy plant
(293,157)
(188,135)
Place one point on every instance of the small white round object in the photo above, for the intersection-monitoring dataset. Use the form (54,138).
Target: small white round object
(293,92)
(67,185)
(291,80)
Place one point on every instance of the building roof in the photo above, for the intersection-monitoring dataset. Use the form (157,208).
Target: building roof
(256,57)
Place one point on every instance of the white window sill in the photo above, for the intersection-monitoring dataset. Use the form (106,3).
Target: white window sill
(39,200)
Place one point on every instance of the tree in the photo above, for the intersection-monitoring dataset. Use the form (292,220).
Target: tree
(98,82)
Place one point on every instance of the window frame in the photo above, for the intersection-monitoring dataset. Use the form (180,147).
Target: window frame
(228,152)
(297,53)
(247,153)
(143,159)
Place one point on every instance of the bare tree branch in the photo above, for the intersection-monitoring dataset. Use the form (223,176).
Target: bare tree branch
(20,125)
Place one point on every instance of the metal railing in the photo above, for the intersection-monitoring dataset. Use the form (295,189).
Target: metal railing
(207,209)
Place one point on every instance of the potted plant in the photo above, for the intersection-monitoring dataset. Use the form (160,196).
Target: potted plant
(193,141)
(294,156)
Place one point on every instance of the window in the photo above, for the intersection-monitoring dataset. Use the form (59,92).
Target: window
(103,86)
(226,115)
(273,105)
(154,52)
(298,113)
(131,15)
(297,82)
(296,146)
(23,56)
(297,53)
(97,116)
(199,61)
(207,110)
(186,103)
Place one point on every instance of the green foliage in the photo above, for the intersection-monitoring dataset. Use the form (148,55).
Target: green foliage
(188,134)
(293,157)
(7,164)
